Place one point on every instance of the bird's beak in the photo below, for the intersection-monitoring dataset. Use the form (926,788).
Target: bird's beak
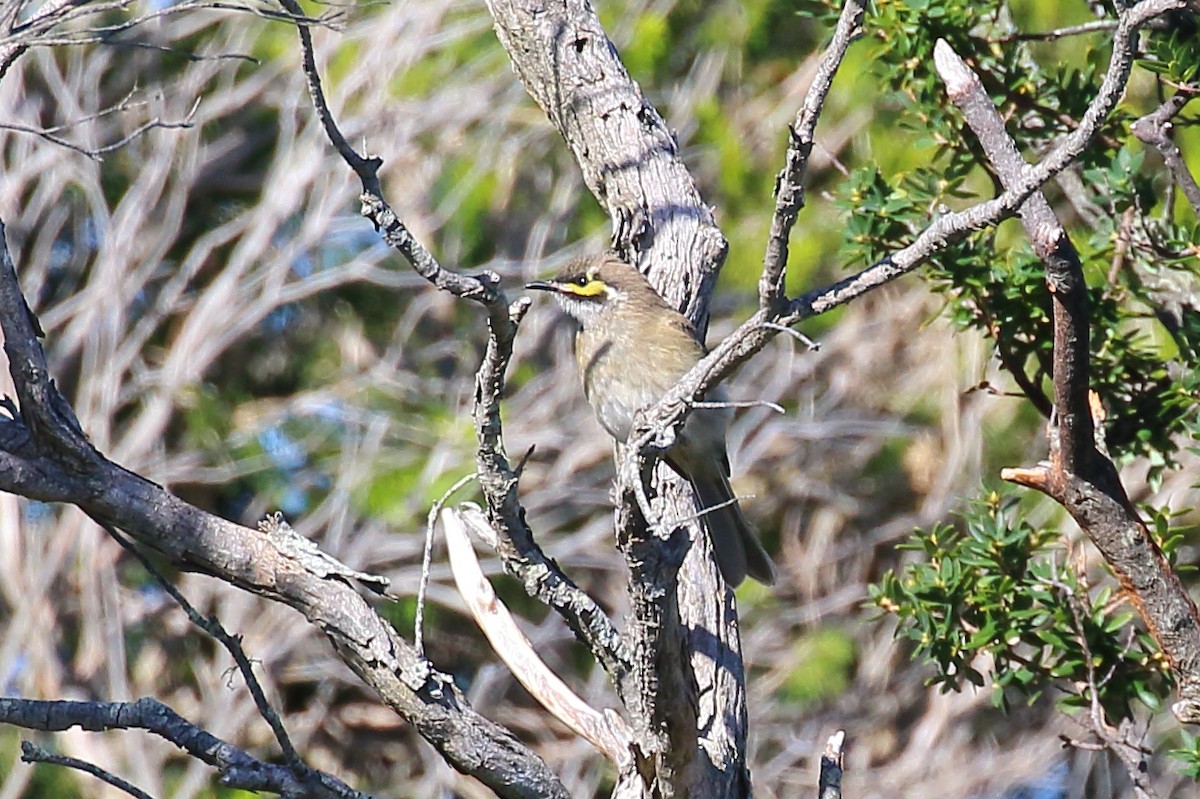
(542,285)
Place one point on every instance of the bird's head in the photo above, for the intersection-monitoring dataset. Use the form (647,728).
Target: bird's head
(593,288)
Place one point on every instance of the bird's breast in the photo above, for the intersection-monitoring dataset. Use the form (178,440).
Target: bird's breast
(623,374)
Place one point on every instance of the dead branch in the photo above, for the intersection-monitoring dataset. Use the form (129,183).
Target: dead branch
(830,780)
(1079,477)
(45,455)
(237,769)
(604,730)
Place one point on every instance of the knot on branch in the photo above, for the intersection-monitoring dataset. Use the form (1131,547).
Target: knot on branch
(1187,710)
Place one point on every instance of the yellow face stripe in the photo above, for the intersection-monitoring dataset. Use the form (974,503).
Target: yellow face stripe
(592,288)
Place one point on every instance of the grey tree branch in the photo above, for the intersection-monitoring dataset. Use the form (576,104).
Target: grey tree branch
(237,769)
(1080,477)
(630,162)
(628,156)
(1155,129)
(540,576)
(789,184)
(45,456)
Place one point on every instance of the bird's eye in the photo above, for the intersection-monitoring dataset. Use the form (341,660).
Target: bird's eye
(582,280)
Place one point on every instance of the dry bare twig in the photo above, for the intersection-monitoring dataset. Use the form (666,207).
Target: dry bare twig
(605,730)
(32,753)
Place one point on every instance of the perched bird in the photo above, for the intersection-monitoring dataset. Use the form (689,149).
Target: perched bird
(632,348)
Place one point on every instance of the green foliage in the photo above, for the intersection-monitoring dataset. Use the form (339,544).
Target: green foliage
(1188,754)
(824,662)
(992,590)
(995,586)
(649,47)
(1142,368)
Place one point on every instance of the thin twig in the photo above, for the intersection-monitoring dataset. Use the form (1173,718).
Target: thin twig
(427,560)
(775,406)
(231,643)
(789,184)
(97,153)
(1114,739)
(813,346)
(700,514)
(32,753)
(1058,33)
(1155,129)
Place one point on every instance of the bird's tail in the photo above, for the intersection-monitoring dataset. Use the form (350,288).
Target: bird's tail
(738,551)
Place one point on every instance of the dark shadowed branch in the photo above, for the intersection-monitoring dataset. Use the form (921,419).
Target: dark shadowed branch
(1122,740)
(237,769)
(32,753)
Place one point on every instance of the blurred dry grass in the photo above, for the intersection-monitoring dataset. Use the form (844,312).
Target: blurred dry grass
(201,261)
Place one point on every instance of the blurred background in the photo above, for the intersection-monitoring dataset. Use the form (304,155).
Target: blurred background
(228,326)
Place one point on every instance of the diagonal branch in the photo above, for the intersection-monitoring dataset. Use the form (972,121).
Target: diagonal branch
(32,753)
(237,769)
(627,154)
(789,184)
(52,461)
(1079,477)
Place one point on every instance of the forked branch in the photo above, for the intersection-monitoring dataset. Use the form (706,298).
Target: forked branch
(540,576)
(45,455)
(1079,477)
